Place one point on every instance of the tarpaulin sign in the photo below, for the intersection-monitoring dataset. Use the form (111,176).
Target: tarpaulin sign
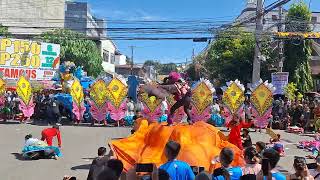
(279,81)
(36,60)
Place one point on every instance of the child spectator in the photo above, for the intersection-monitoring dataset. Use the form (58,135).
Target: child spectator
(252,161)
(246,139)
(175,168)
(226,157)
(273,156)
(260,147)
(301,169)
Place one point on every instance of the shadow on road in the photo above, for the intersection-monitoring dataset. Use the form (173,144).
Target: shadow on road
(19,157)
(81,167)
(9,122)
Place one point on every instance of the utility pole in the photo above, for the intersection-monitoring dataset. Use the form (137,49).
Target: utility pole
(131,68)
(257,53)
(280,45)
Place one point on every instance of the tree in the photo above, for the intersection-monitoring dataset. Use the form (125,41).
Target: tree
(161,68)
(4,31)
(76,48)
(298,51)
(230,57)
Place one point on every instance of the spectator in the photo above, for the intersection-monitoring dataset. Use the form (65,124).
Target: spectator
(301,169)
(55,111)
(116,165)
(297,115)
(260,146)
(107,174)
(246,139)
(226,157)
(316,172)
(252,161)
(273,156)
(203,176)
(49,133)
(163,175)
(98,164)
(175,168)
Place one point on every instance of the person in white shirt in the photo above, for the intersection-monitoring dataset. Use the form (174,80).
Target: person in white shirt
(29,141)
(130,107)
(164,111)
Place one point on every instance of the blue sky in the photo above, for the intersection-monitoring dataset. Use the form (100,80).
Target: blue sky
(152,10)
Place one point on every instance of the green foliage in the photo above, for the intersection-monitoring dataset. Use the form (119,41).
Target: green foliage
(162,69)
(230,57)
(298,51)
(291,92)
(4,31)
(76,48)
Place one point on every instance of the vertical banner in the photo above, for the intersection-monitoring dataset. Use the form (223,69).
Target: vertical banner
(279,81)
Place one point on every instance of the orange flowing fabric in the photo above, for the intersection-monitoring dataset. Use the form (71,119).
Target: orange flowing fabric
(200,144)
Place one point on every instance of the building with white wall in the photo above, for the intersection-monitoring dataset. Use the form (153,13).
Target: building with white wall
(120,59)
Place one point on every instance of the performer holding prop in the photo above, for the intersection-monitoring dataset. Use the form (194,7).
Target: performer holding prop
(177,86)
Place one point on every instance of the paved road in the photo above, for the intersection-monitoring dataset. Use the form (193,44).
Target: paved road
(79,147)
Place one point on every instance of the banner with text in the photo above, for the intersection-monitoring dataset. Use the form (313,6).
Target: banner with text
(279,81)
(36,60)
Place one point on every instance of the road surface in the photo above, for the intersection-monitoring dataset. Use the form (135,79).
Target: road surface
(79,146)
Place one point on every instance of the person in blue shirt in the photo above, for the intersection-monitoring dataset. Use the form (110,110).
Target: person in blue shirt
(178,170)
(274,158)
(226,157)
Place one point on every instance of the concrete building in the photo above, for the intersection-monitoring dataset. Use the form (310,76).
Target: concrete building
(78,17)
(108,50)
(32,17)
(120,59)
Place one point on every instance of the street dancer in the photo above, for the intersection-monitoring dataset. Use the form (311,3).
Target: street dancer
(176,86)
(49,133)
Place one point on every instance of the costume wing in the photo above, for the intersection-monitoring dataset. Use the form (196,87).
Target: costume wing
(117,91)
(24,90)
(202,94)
(233,96)
(77,92)
(98,113)
(28,109)
(117,113)
(204,116)
(261,99)
(78,110)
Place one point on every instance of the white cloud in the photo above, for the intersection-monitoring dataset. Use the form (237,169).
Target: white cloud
(132,15)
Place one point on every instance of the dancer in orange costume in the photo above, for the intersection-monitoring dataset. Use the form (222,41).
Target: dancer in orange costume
(236,124)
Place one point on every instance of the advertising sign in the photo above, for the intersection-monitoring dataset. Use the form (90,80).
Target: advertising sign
(35,60)
(279,81)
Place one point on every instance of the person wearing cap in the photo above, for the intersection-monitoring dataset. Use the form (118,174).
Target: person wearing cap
(176,169)
(49,133)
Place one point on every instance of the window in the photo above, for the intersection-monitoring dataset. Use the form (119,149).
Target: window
(112,57)
(274,17)
(314,19)
(106,55)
